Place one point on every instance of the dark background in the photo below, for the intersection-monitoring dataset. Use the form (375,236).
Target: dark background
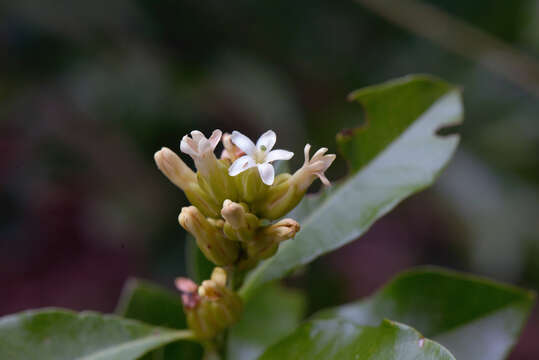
(90,90)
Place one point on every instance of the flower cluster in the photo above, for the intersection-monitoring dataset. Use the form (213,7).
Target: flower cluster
(211,307)
(236,202)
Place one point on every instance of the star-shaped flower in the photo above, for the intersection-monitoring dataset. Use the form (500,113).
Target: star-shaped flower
(259,155)
(197,146)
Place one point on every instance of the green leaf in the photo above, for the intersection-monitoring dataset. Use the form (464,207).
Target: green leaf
(475,319)
(271,314)
(390,110)
(310,203)
(341,340)
(155,305)
(54,334)
(151,303)
(400,161)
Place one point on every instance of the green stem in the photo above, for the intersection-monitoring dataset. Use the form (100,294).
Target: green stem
(185,335)
(211,352)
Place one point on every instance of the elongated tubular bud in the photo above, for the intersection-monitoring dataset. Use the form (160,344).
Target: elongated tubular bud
(234,214)
(218,275)
(210,239)
(172,166)
(279,232)
(250,186)
(240,225)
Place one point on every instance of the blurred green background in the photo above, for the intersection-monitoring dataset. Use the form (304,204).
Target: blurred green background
(90,90)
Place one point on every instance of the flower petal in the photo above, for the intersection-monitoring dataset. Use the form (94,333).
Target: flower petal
(186,285)
(197,135)
(306,152)
(279,155)
(319,154)
(243,142)
(266,140)
(267,173)
(188,146)
(323,178)
(215,138)
(243,163)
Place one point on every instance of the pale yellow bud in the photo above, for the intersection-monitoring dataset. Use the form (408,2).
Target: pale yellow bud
(210,289)
(280,231)
(234,214)
(210,238)
(218,275)
(174,168)
(240,225)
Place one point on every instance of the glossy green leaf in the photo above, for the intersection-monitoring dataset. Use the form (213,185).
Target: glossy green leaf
(310,203)
(155,305)
(390,109)
(54,334)
(404,159)
(342,340)
(476,319)
(272,313)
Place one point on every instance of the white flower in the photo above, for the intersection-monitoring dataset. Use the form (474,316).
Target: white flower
(197,145)
(201,149)
(315,166)
(259,155)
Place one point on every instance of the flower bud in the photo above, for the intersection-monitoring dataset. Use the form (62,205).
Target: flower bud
(234,214)
(209,236)
(239,224)
(250,186)
(279,232)
(172,166)
(210,308)
(267,241)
